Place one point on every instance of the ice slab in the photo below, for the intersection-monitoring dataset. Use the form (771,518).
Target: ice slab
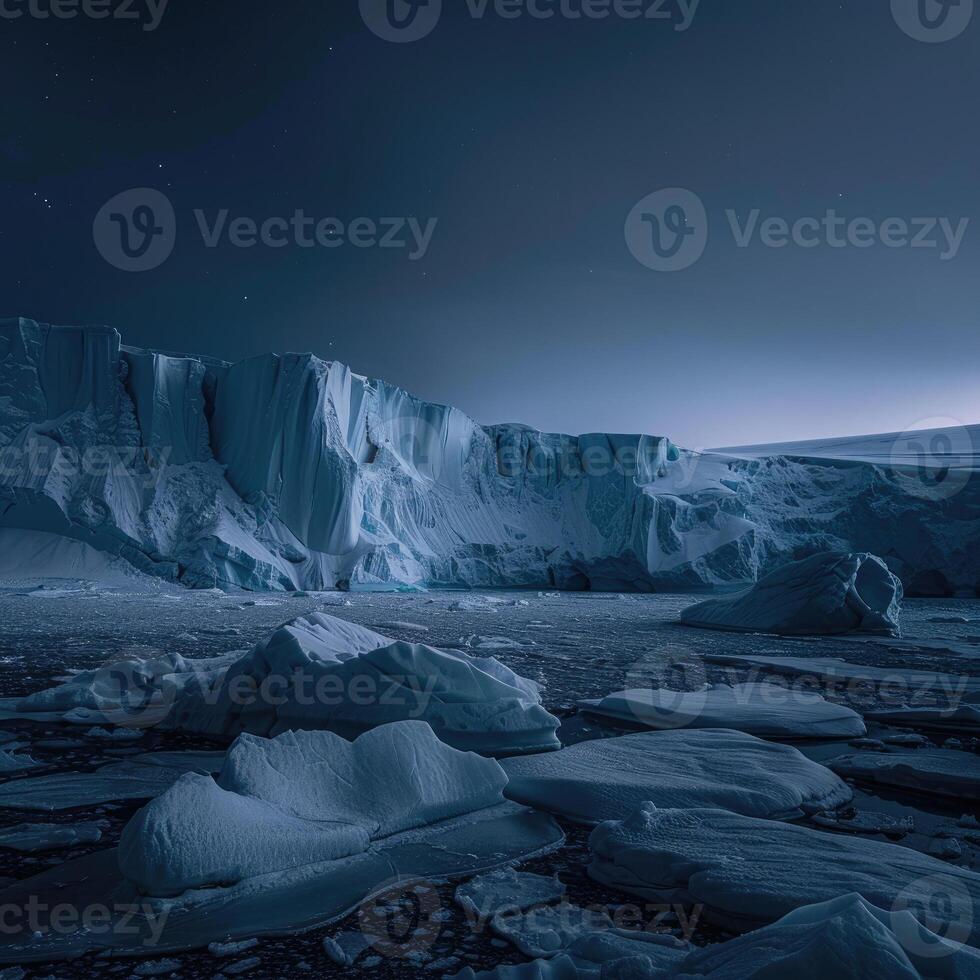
(960,719)
(300,799)
(507,890)
(842,673)
(827,593)
(944,772)
(49,836)
(749,872)
(271,905)
(763,709)
(67,790)
(608,778)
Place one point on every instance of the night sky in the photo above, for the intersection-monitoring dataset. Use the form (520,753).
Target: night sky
(530,141)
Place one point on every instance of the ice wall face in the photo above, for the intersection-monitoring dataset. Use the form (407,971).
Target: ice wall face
(286,471)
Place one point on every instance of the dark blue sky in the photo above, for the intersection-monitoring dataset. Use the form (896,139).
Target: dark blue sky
(530,140)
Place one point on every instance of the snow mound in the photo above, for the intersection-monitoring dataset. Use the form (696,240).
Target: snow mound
(763,709)
(940,771)
(608,778)
(825,594)
(749,872)
(301,799)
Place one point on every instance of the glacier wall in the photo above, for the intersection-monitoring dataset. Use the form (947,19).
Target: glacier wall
(287,471)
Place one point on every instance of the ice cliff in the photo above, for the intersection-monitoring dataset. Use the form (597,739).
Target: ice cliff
(287,471)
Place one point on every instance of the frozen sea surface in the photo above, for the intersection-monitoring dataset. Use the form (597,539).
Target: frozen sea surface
(579,645)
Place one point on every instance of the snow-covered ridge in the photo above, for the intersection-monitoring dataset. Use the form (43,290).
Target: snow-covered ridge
(287,471)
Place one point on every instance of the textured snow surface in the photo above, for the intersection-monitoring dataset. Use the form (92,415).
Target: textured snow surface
(609,778)
(287,471)
(942,771)
(843,939)
(960,718)
(300,799)
(760,708)
(823,594)
(748,872)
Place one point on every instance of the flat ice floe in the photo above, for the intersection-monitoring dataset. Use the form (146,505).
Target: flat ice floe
(836,671)
(846,938)
(300,799)
(939,771)
(66,790)
(961,718)
(49,836)
(316,672)
(763,709)
(506,890)
(608,778)
(825,594)
(749,872)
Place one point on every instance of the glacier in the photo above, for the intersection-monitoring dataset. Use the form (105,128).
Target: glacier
(285,472)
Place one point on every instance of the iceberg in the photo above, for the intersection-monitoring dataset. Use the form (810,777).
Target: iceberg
(300,799)
(824,594)
(608,778)
(286,471)
(763,709)
(749,872)
(315,672)
(944,772)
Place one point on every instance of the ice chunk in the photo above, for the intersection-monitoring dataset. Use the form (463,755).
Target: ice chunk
(826,593)
(507,890)
(749,872)
(941,771)
(548,930)
(607,778)
(10,761)
(763,709)
(49,836)
(301,799)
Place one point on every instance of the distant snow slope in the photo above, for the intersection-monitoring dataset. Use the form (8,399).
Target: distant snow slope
(287,471)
